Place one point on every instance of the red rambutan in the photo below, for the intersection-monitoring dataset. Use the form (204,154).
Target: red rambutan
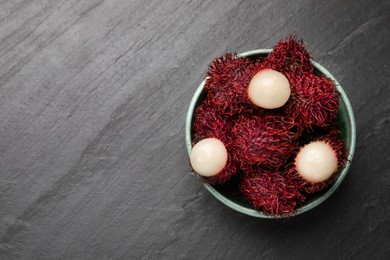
(313,101)
(289,55)
(227,82)
(209,122)
(271,193)
(265,140)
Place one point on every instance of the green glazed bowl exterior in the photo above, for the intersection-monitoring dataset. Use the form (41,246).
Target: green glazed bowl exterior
(348,134)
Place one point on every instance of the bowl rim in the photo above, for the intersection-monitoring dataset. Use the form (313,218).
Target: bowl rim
(312,204)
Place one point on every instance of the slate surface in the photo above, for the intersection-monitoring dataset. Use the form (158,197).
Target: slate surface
(93,96)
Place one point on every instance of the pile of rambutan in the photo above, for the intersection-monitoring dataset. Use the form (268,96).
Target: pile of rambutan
(262,144)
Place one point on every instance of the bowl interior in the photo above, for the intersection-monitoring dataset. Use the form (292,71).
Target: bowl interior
(229,194)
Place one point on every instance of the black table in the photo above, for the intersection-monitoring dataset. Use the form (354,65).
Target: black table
(93,97)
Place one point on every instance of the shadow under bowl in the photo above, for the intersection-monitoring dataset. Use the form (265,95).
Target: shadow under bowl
(229,194)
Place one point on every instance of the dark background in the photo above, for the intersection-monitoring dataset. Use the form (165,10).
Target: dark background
(93,97)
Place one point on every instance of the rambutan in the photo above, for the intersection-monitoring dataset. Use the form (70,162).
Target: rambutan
(224,70)
(269,89)
(313,101)
(339,149)
(210,123)
(227,82)
(223,82)
(271,193)
(289,55)
(266,140)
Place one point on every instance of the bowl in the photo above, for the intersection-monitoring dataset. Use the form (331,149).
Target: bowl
(229,194)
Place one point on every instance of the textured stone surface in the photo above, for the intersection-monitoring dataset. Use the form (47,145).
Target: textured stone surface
(93,96)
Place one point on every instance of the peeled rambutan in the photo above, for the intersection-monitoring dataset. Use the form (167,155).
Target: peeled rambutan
(209,123)
(271,193)
(313,101)
(266,140)
(289,55)
(338,147)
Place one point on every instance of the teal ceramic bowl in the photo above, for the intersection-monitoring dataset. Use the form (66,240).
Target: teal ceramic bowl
(229,194)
